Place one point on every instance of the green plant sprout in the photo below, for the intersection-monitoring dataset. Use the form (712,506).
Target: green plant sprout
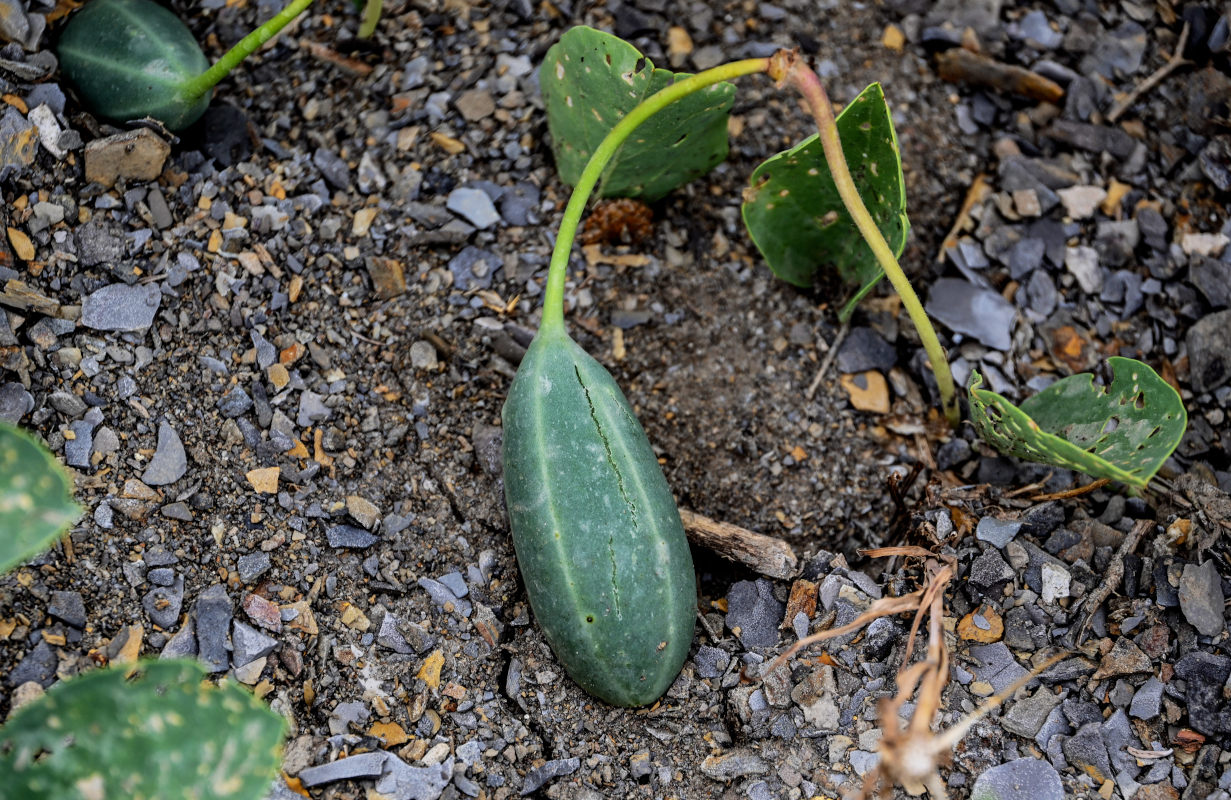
(371,16)
(563,70)
(133,58)
(1124,431)
(802,209)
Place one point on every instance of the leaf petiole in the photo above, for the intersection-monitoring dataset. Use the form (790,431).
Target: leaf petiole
(553,297)
(789,68)
(199,86)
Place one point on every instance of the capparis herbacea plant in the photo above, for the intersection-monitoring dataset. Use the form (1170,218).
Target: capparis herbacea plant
(595,528)
(149,729)
(131,59)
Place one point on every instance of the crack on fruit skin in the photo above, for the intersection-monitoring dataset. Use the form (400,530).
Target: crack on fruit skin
(632,508)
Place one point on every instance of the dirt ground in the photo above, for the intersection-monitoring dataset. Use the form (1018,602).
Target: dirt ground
(278,230)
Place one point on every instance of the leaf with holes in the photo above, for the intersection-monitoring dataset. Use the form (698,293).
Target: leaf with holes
(796,218)
(36,502)
(157,731)
(1124,431)
(591,79)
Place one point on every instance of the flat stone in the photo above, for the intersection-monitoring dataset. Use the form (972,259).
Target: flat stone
(1083,263)
(15,401)
(1026,717)
(18,141)
(349,536)
(332,167)
(711,662)
(137,155)
(550,770)
(1213,277)
(249,644)
(390,637)
(973,311)
(991,573)
(753,610)
(263,612)
(1056,581)
(1147,702)
(734,764)
(1206,674)
(404,782)
(348,715)
(1025,257)
(1022,779)
(1124,658)
(1210,245)
(77,450)
(38,665)
(235,403)
(120,307)
(67,403)
(997,666)
(1087,751)
(475,104)
(997,532)
(98,243)
(474,267)
(475,206)
(1080,202)
(362,511)
(170,462)
(443,596)
(1209,352)
(163,603)
(68,607)
(1093,138)
(252,566)
(1201,598)
(182,645)
(312,409)
(213,622)
(360,767)
(864,349)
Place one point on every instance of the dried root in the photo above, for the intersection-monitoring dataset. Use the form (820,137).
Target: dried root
(912,753)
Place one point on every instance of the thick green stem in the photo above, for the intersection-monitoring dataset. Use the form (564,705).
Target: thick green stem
(553,296)
(371,16)
(791,69)
(203,83)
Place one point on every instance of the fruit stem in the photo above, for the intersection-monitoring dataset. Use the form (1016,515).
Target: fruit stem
(553,296)
(789,68)
(199,86)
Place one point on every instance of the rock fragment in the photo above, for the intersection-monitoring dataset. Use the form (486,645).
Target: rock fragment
(170,462)
(137,155)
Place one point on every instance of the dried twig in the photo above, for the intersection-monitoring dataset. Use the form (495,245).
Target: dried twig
(960,65)
(1111,579)
(764,554)
(828,360)
(979,189)
(1067,493)
(1176,61)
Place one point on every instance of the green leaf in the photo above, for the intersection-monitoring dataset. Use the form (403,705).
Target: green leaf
(130,58)
(36,498)
(591,79)
(1124,431)
(796,218)
(155,734)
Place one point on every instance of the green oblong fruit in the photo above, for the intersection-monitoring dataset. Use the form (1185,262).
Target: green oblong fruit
(596,530)
(131,59)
